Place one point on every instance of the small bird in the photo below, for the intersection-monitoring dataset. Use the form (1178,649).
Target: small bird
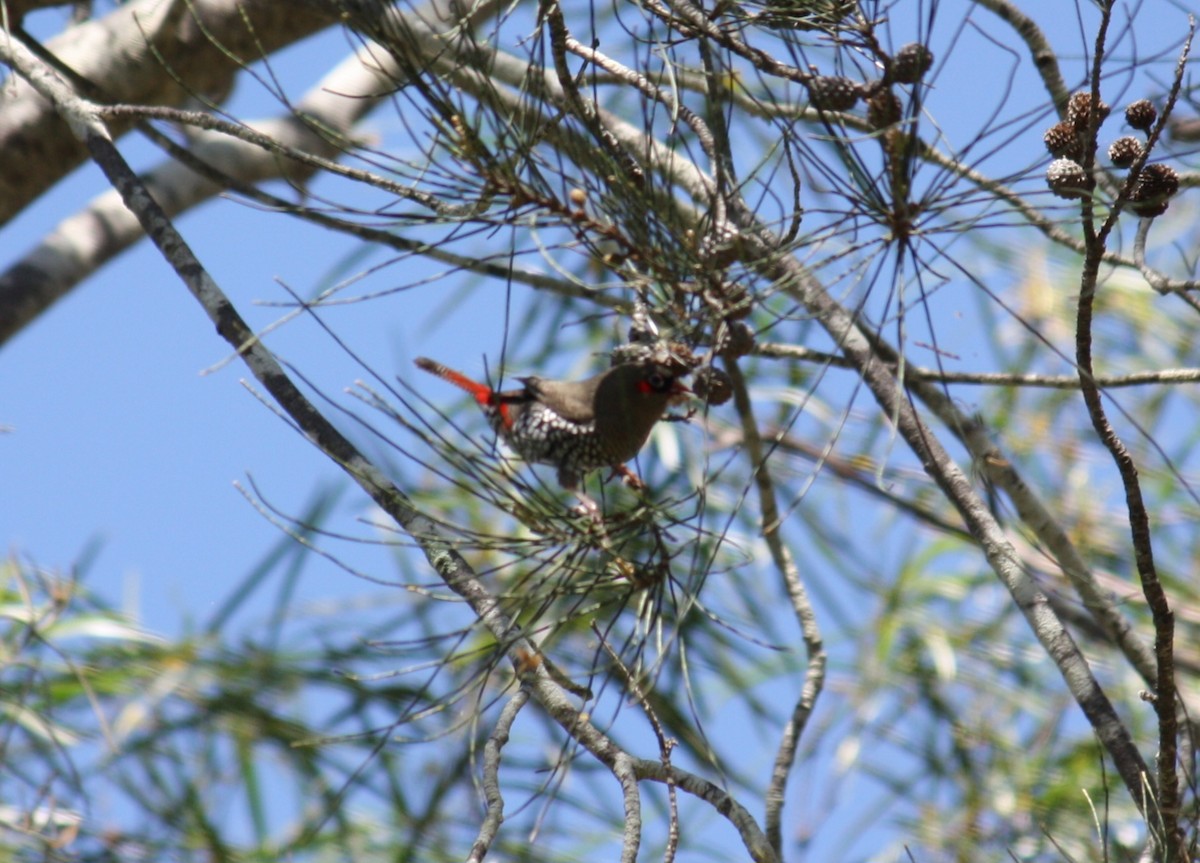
(576,426)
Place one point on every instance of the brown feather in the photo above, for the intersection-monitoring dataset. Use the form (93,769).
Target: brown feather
(572,400)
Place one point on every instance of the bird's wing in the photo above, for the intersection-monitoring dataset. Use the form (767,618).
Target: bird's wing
(571,400)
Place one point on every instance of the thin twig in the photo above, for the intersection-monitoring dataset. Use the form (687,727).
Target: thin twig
(491,775)
(665,746)
(999,379)
(814,671)
(1163,819)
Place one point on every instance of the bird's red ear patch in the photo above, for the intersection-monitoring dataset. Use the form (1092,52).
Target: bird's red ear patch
(654,382)
(660,384)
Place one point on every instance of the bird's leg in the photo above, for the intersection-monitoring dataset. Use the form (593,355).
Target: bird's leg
(572,482)
(628,477)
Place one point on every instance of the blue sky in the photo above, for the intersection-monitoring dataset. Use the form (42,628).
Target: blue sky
(118,434)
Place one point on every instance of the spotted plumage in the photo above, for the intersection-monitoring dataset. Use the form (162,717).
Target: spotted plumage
(576,426)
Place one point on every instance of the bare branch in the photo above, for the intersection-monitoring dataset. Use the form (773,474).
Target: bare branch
(1163,818)
(814,672)
(999,379)
(491,775)
(119,54)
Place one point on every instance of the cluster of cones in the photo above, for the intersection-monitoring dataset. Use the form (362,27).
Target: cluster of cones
(1067,141)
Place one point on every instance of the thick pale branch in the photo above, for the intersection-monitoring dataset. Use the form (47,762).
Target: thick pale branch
(1160,281)
(631,795)
(85,241)
(207,43)
(291,146)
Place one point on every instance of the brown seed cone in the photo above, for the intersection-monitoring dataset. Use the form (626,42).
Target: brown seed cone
(883,109)
(1141,114)
(713,385)
(1062,140)
(1123,152)
(736,340)
(833,93)
(1067,179)
(911,63)
(1079,107)
(1154,187)
(1158,179)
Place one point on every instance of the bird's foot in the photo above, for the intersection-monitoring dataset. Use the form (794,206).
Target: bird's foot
(587,507)
(628,477)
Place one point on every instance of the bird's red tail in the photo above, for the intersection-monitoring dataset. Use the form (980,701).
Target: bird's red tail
(481,392)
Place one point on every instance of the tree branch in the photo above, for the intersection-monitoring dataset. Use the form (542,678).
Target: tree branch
(491,775)
(208,42)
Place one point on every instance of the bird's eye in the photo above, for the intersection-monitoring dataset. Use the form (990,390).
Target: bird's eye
(657,381)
